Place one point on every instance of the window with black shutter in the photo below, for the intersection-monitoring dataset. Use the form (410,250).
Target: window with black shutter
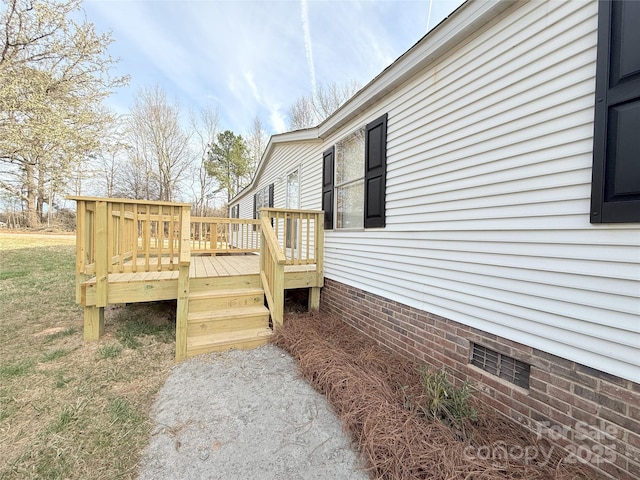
(615,189)
(354,179)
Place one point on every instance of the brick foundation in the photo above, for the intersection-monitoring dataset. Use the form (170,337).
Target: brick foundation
(586,411)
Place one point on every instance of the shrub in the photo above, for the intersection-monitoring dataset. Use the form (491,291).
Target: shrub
(442,400)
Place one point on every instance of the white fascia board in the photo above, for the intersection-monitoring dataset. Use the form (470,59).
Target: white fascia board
(299,136)
(459,25)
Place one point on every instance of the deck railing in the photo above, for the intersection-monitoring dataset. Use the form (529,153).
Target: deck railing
(127,236)
(224,235)
(289,237)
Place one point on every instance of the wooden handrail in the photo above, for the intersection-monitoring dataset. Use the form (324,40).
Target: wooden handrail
(299,234)
(128,200)
(272,262)
(272,242)
(289,237)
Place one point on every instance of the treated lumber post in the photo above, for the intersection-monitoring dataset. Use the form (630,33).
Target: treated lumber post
(182,312)
(263,246)
(81,255)
(277,314)
(314,299)
(93,323)
(319,253)
(101,251)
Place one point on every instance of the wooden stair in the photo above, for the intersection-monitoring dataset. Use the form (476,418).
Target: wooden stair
(219,320)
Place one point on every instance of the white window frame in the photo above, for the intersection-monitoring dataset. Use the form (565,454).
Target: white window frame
(349,182)
(297,170)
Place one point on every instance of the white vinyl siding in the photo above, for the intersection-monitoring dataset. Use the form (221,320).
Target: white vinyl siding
(284,158)
(489,154)
(488,187)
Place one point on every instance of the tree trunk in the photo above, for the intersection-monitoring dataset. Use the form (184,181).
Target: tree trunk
(32,212)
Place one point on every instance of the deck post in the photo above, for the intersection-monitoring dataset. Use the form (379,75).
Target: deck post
(102,262)
(314,299)
(182,312)
(80,249)
(319,253)
(93,323)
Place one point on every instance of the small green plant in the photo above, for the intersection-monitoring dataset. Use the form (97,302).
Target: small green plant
(17,369)
(442,400)
(121,411)
(54,355)
(61,382)
(65,418)
(132,329)
(109,351)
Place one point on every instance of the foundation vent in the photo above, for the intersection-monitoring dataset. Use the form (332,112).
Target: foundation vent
(500,365)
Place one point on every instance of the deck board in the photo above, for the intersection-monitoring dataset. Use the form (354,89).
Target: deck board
(205,267)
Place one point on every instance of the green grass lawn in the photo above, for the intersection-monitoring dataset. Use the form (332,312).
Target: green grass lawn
(70,409)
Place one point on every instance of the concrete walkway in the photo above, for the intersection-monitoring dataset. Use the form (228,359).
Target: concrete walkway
(245,414)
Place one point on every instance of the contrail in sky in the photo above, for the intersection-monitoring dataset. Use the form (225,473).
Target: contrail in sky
(307,46)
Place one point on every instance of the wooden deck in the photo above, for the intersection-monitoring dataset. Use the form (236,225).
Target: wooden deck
(228,275)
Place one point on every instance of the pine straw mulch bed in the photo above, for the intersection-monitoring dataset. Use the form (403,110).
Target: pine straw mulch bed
(368,387)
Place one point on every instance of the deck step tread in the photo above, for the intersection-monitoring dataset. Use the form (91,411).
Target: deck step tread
(252,311)
(226,293)
(229,338)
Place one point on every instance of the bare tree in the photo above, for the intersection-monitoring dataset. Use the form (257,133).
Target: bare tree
(110,164)
(257,140)
(205,129)
(310,110)
(159,146)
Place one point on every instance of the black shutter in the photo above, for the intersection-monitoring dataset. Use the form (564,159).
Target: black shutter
(271,195)
(327,187)
(615,189)
(375,173)
(255,205)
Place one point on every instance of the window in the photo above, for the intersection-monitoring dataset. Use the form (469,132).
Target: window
(354,178)
(349,181)
(615,188)
(500,365)
(262,198)
(235,211)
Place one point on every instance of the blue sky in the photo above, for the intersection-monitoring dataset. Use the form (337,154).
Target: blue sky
(251,58)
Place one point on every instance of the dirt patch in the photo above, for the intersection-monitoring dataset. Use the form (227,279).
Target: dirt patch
(49,331)
(368,387)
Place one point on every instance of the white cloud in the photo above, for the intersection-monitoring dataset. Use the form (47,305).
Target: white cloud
(256,57)
(308,47)
(278,120)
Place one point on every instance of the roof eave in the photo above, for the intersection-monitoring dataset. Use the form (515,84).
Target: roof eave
(453,29)
(297,136)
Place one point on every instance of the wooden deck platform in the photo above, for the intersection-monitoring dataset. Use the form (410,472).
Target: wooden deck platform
(214,272)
